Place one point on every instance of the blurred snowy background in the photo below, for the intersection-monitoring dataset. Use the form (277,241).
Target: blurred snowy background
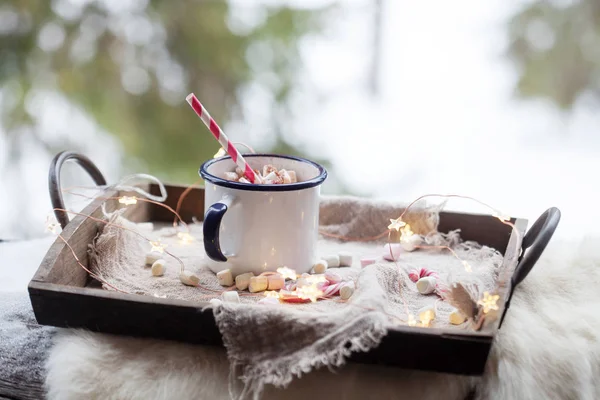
(497,100)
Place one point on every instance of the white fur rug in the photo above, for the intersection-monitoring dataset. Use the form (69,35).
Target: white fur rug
(548,348)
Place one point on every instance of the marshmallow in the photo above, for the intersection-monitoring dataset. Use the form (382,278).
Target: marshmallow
(347,290)
(345,259)
(243,180)
(285,177)
(269,301)
(272,177)
(456,317)
(188,278)
(426,285)
(396,249)
(242,281)
(152,257)
(231,296)
(333,261)
(275,282)
(239,172)
(258,284)
(411,243)
(158,267)
(332,277)
(231,176)
(320,267)
(225,278)
(215,302)
(367,261)
(292,175)
(268,169)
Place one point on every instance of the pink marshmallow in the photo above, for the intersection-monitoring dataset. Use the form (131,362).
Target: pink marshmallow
(367,261)
(396,249)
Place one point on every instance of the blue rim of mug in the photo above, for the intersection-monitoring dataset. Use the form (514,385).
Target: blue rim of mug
(261,187)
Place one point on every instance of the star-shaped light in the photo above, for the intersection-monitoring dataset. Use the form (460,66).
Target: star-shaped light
(287,273)
(406,233)
(185,237)
(426,317)
(157,246)
(396,224)
(411,320)
(489,302)
(127,200)
(220,153)
(310,292)
(52,225)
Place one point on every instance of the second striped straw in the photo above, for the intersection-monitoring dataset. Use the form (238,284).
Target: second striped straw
(222,138)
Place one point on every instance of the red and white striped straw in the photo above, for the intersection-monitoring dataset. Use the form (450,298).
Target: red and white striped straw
(221,137)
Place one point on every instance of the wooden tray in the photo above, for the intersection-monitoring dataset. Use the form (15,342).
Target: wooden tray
(62,294)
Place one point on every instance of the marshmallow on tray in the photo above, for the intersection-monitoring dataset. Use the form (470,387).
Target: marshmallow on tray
(426,285)
(158,268)
(320,267)
(225,278)
(152,257)
(394,248)
(258,284)
(189,279)
(345,259)
(231,296)
(275,282)
(242,281)
(333,260)
(347,290)
(365,261)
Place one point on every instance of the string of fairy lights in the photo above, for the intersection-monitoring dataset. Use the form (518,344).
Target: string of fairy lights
(310,291)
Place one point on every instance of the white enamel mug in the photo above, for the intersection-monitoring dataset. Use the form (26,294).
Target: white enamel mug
(257,228)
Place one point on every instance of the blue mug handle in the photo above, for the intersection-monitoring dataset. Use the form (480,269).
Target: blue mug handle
(211,227)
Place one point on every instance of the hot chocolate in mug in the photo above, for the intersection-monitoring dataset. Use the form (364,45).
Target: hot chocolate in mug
(258,227)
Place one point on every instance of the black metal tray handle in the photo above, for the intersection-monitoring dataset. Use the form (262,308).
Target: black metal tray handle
(534,243)
(54,187)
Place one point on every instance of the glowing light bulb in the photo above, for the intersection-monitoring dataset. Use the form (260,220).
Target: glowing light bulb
(157,246)
(396,224)
(220,153)
(310,292)
(271,293)
(406,233)
(467,266)
(185,237)
(411,320)
(127,200)
(426,317)
(52,225)
(489,302)
(287,273)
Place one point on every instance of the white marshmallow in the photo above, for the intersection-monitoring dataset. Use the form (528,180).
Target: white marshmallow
(276,282)
(396,249)
(271,176)
(426,285)
(215,302)
(333,261)
(225,278)
(283,174)
(258,284)
(152,257)
(411,243)
(188,278)
(320,267)
(345,259)
(456,317)
(332,277)
(292,175)
(239,172)
(230,176)
(268,169)
(158,268)
(231,296)
(243,180)
(347,290)
(242,281)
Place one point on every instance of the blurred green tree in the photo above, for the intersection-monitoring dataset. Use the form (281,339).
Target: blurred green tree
(130,64)
(556,48)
